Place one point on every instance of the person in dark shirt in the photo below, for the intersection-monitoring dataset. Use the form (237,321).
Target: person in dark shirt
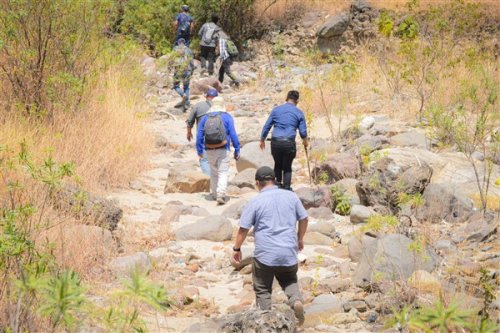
(183,25)
(286,120)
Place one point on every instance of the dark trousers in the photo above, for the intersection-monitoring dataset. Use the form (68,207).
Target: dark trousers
(226,68)
(186,37)
(207,53)
(283,154)
(263,276)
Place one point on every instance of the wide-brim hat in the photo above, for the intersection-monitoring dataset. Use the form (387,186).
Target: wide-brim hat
(218,105)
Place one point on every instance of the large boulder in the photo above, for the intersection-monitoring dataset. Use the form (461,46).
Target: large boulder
(245,178)
(259,321)
(443,203)
(369,143)
(396,256)
(323,227)
(362,245)
(411,139)
(338,166)
(234,211)
(360,214)
(317,238)
(322,308)
(384,183)
(251,156)
(330,34)
(348,187)
(199,87)
(314,197)
(321,213)
(214,228)
(187,181)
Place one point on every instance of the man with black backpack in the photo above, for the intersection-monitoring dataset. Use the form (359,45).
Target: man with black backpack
(208,34)
(183,25)
(227,51)
(215,134)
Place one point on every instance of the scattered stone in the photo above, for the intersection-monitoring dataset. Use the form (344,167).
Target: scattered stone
(479,229)
(160,254)
(199,87)
(367,122)
(126,264)
(251,156)
(245,178)
(344,318)
(207,326)
(214,228)
(135,185)
(187,181)
(368,143)
(259,321)
(316,238)
(478,156)
(325,228)
(323,307)
(411,139)
(314,197)
(339,166)
(360,214)
(355,304)
(335,285)
(348,187)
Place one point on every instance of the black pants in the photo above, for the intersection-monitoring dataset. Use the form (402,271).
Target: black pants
(226,68)
(283,154)
(263,276)
(207,53)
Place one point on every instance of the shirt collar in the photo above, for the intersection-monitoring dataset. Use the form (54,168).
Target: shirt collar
(274,187)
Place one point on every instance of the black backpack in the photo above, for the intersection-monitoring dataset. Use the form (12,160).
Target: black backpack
(215,131)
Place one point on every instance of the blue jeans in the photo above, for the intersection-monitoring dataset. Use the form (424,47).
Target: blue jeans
(186,37)
(185,86)
(204,165)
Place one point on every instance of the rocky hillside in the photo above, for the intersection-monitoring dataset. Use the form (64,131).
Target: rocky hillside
(392,218)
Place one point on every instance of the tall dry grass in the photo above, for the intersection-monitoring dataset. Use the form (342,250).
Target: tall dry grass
(106,139)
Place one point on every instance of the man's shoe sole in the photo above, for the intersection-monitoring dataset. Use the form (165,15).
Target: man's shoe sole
(298,309)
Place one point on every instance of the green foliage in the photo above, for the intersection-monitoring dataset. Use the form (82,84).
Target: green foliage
(385,23)
(342,204)
(413,200)
(408,28)
(439,318)
(48,51)
(380,223)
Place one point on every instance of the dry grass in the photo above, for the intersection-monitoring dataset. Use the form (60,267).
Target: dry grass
(106,139)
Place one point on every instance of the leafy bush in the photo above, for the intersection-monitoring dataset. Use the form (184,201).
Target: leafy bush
(341,202)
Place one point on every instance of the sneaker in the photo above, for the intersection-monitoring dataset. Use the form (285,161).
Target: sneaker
(221,200)
(298,309)
(179,105)
(211,197)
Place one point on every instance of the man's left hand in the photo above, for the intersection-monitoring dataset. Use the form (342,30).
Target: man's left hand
(200,156)
(237,257)
(301,245)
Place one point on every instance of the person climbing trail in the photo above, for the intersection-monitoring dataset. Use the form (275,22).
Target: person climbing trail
(183,25)
(183,70)
(227,52)
(215,134)
(198,111)
(286,120)
(209,36)
(273,214)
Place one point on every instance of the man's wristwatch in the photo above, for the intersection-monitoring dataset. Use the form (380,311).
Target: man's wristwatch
(236,250)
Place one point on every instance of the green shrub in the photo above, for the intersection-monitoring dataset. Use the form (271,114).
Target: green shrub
(341,202)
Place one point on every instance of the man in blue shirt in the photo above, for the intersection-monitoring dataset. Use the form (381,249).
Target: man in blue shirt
(183,25)
(183,69)
(218,154)
(273,214)
(286,120)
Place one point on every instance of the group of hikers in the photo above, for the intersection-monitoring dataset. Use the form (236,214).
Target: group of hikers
(276,214)
(213,41)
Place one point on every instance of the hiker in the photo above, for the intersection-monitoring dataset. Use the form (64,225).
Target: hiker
(183,69)
(183,25)
(215,134)
(208,34)
(227,50)
(286,119)
(199,110)
(273,214)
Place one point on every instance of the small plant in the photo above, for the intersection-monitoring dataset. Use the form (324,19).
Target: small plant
(380,223)
(341,201)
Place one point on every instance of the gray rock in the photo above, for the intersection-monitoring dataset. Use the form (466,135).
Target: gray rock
(330,34)
(478,156)
(355,304)
(360,214)
(369,143)
(348,187)
(325,303)
(317,238)
(321,213)
(444,245)
(323,227)
(314,197)
(442,203)
(245,178)
(367,122)
(259,321)
(251,156)
(208,326)
(359,246)
(392,260)
(214,228)
(186,180)
(234,211)
(481,229)
(410,139)
(335,285)
(339,166)
(199,87)
(126,264)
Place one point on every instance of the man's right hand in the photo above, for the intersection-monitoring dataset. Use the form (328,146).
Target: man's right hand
(200,156)
(301,244)
(189,136)
(237,257)
(262,144)
(305,142)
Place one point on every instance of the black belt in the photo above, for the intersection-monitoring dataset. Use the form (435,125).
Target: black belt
(223,147)
(281,139)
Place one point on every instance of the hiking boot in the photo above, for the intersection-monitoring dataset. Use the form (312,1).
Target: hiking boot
(298,309)
(179,105)
(211,197)
(221,200)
